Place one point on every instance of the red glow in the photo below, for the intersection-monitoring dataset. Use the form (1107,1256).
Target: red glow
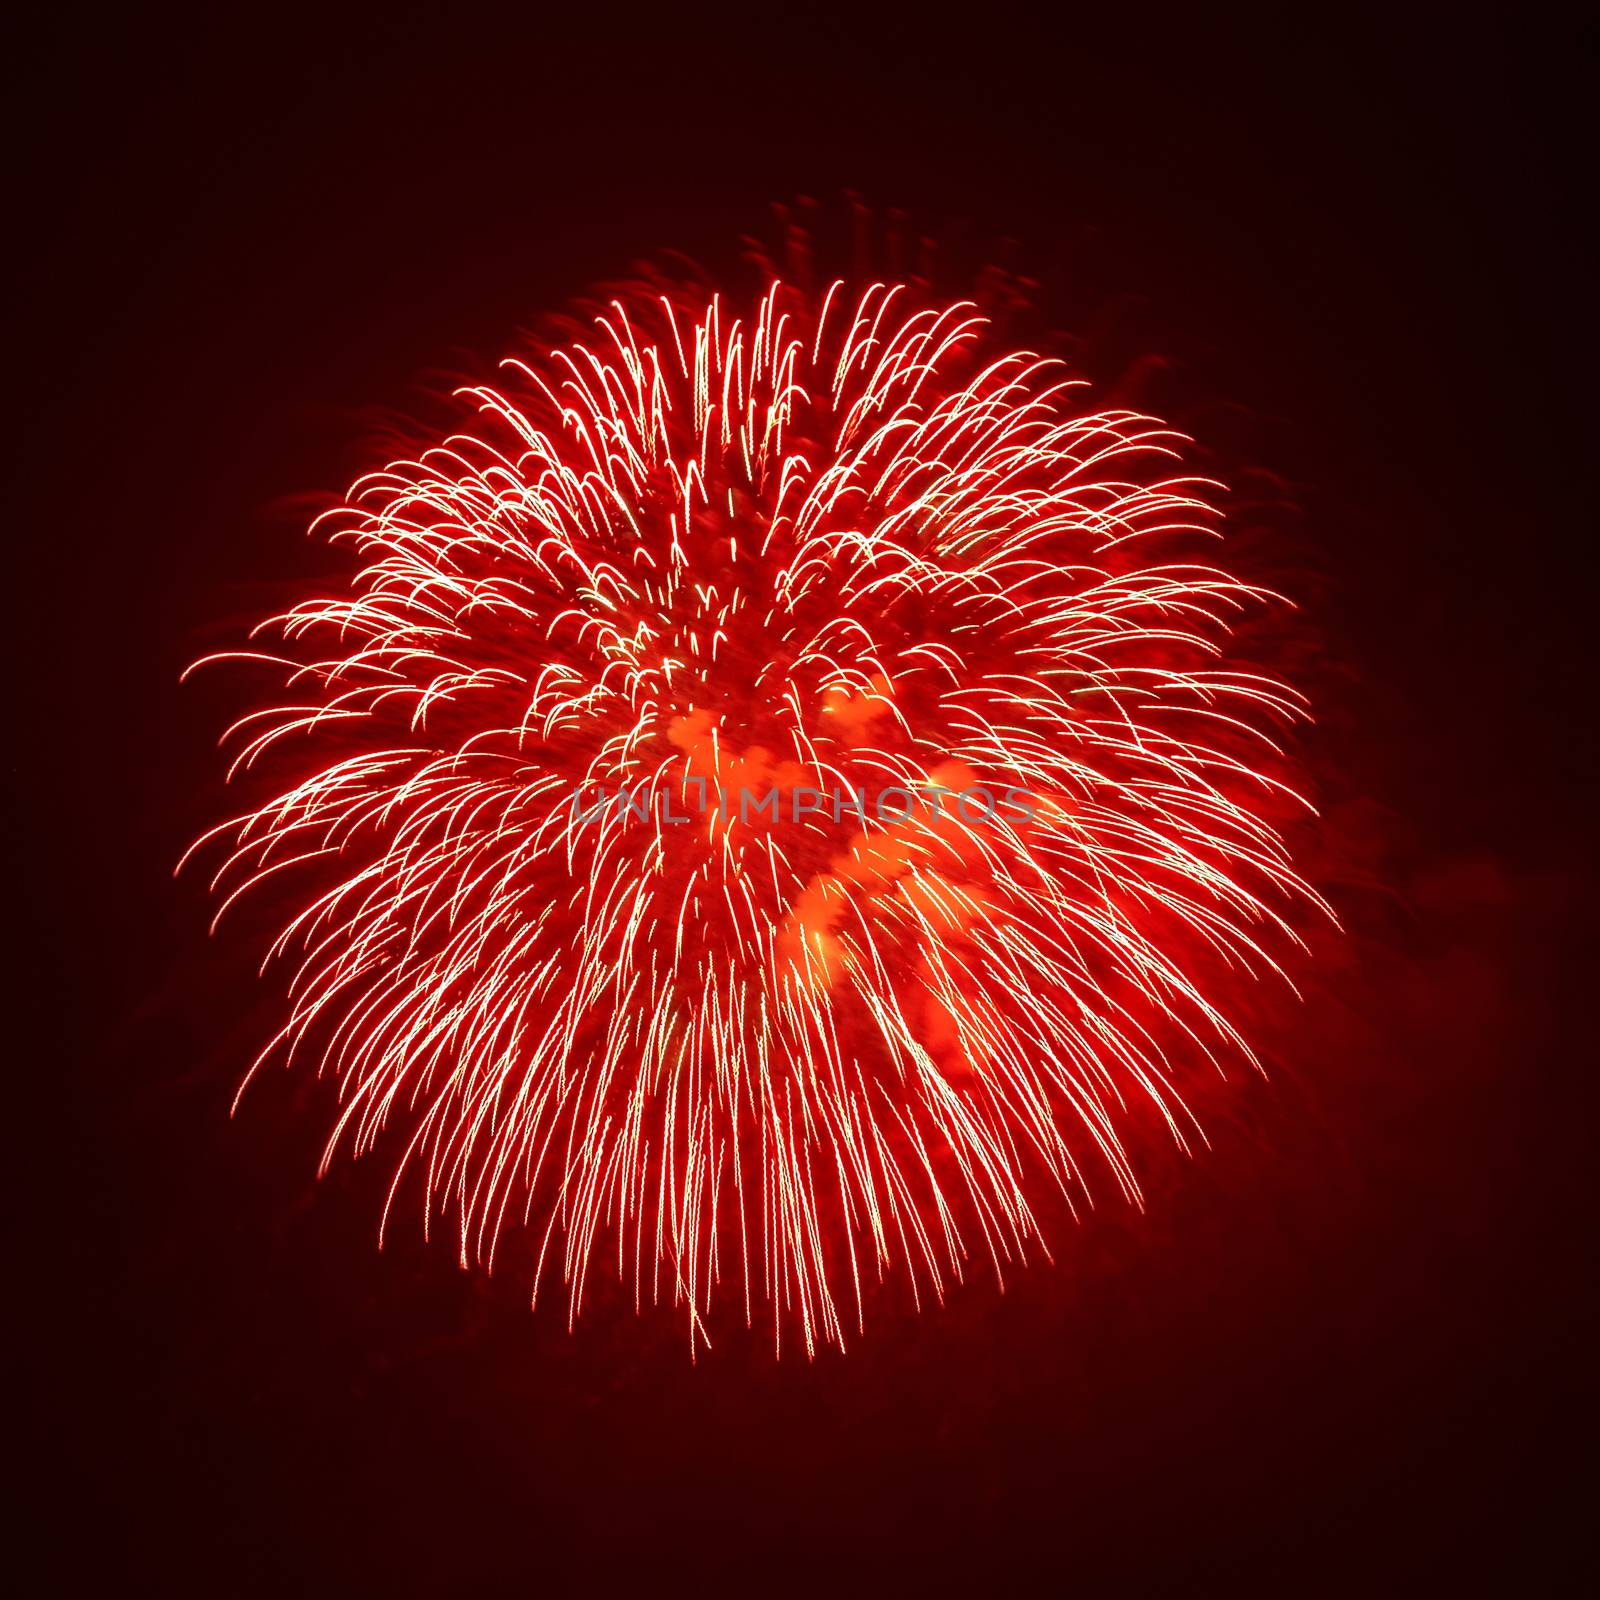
(832,545)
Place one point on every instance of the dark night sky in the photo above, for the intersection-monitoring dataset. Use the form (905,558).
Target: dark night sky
(1341,1349)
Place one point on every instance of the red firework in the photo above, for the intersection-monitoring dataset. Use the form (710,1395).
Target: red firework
(812,557)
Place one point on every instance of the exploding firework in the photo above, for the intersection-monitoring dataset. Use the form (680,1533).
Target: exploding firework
(777,798)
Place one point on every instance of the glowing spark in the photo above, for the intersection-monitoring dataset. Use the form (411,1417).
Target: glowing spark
(827,549)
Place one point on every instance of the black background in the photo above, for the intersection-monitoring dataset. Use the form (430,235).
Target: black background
(1341,1349)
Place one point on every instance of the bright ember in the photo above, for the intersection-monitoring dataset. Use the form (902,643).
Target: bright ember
(768,1050)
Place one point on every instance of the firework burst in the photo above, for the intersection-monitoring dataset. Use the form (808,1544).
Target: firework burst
(1013,821)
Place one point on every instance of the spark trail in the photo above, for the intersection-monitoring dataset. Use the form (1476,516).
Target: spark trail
(837,546)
